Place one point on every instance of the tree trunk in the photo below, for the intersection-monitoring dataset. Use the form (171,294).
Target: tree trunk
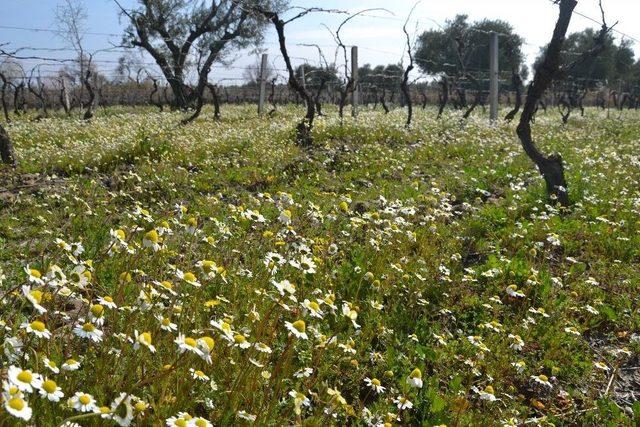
(517,84)
(444,96)
(551,168)
(7,155)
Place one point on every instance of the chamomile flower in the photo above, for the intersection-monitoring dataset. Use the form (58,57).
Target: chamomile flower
(375,384)
(306,265)
(244,415)
(34,296)
(263,348)
(415,378)
(520,366)
(198,375)
(166,324)
(107,301)
(284,287)
(82,402)
(143,339)
(297,328)
(187,344)
(121,410)
(542,379)
(51,391)
(487,394)
(24,379)
(201,422)
(224,327)
(192,225)
(183,419)
(71,365)
(152,240)
(239,340)
(88,331)
(208,267)
(96,314)
(512,291)
(285,217)
(34,275)
(17,406)
(51,365)
(36,328)
(188,277)
(314,308)
(403,403)
(517,344)
(602,366)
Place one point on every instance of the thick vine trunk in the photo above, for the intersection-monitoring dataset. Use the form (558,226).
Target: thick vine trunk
(444,95)
(552,167)
(7,155)
(517,84)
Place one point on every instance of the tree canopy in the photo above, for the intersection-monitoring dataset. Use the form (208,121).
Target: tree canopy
(463,46)
(615,62)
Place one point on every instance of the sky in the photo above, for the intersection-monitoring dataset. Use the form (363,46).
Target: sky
(378,35)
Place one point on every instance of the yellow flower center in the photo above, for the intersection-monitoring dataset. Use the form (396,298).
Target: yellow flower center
(97,310)
(85,399)
(181,422)
(25,377)
(189,277)
(199,374)
(208,265)
(120,234)
(209,342)
(543,378)
(37,325)
(239,338)
(201,423)
(17,404)
(166,321)
(152,236)
(105,410)
(35,273)
(140,406)
(489,390)
(49,386)
(314,306)
(108,299)
(145,338)
(166,284)
(416,373)
(36,295)
(88,327)
(193,222)
(299,325)
(190,342)
(71,362)
(375,382)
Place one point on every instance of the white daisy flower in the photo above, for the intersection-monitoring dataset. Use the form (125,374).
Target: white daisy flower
(297,328)
(375,384)
(82,402)
(415,378)
(51,391)
(34,297)
(36,328)
(88,331)
(25,380)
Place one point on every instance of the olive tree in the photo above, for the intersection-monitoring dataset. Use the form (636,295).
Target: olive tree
(186,35)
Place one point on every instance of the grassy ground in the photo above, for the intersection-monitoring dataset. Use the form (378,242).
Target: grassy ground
(219,271)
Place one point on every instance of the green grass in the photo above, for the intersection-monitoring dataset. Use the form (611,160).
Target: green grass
(431,223)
